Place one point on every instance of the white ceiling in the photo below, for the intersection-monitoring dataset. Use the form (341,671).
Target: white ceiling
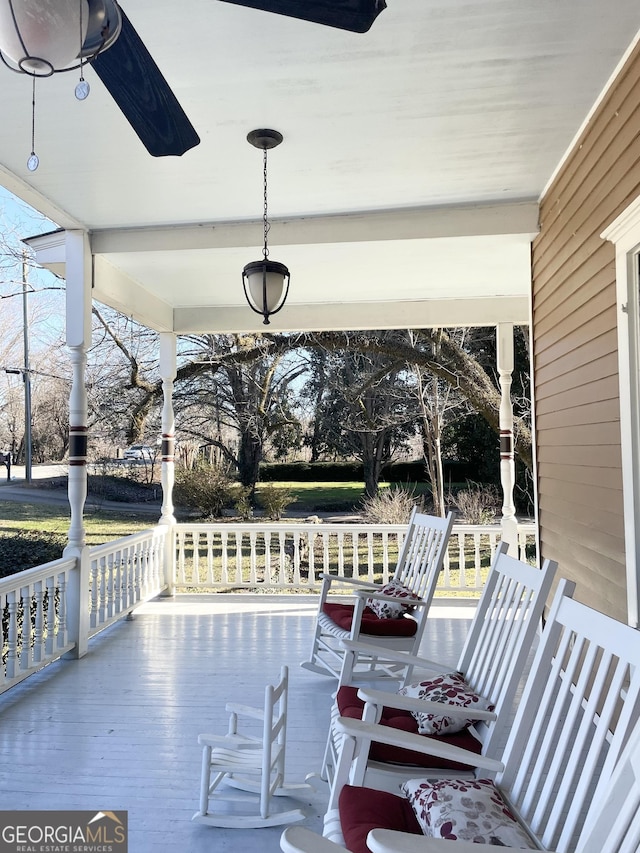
(405,149)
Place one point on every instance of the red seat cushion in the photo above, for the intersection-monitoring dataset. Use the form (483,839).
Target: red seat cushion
(350,705)
(342,615)
(364,809)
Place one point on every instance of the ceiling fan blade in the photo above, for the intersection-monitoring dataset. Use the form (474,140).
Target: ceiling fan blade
(136,84)
(353,15)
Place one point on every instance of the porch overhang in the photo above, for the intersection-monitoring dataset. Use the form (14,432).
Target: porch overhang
(450,266)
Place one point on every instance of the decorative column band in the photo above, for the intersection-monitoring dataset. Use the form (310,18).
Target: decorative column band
(78,439)
(506,444)
(168,447)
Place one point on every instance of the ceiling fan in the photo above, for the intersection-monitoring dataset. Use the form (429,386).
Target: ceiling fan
(357,16)
(44,37)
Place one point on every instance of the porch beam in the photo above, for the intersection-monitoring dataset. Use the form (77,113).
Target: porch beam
(372,226)
(119,291)
(409,314)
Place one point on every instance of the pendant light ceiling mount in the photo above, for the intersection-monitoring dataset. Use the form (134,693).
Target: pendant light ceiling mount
(264,139)
(265,282)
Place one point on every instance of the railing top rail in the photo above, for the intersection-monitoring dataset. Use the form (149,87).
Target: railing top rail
(330,527)
(288,526)
(157,531)
(37,573)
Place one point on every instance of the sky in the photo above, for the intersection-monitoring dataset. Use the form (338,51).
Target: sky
(46,302)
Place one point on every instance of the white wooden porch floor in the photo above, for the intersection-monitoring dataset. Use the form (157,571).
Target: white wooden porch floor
(118,729)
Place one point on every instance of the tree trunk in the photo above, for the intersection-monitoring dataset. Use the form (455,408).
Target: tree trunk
(249,456)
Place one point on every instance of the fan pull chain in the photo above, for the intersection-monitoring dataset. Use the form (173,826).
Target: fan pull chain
(82,87)
(34,161)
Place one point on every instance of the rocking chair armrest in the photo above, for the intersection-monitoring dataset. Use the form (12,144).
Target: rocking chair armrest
(354,581)
(393,841)
(396,656)
(299,839)
(419,743)
(245,710)
(411,703)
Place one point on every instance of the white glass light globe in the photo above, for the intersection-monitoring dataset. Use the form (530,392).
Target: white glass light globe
(50,30)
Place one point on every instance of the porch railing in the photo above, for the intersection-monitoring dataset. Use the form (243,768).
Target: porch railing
(48,611)
(34,619)
(288,556)
(123,574)
(54,609)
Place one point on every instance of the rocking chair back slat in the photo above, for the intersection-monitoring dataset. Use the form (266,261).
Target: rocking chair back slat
(500,639)
(578,714)
(423,550)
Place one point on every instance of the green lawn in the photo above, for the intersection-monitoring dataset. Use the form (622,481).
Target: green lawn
(329,496)
(101,526)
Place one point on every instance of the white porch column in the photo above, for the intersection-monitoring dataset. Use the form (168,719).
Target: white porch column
(168,375)
(78,330)
(504,336)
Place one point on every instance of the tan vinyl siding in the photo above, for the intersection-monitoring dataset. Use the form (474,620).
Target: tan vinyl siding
(575,351)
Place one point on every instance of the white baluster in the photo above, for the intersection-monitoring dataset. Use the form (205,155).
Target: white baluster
(25,640)
(51,616)
(12,634)
(38,635)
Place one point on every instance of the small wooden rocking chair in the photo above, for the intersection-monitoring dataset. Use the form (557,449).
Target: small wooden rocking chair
(253,765)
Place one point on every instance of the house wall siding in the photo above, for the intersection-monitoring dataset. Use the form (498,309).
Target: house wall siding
(575,350)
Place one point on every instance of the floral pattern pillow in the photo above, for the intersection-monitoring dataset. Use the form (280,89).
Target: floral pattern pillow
(393,609)
(465,810)
(450,689)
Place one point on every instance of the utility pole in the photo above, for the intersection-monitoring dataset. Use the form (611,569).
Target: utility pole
(26,375)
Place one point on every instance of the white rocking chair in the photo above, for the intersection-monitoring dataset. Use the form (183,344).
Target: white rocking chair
(249,764)
(419,564)
(614,828)
(492,661)
(570,772)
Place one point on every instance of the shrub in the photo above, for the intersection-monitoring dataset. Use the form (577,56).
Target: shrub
(274,501)
(477,504)
(26,549)
(390,506)
(205,488)
(307,472)
(242,502)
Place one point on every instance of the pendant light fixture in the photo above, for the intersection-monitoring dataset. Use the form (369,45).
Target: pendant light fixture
(265,282)
(44,37)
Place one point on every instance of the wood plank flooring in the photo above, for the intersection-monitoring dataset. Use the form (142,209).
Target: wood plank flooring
(118,729)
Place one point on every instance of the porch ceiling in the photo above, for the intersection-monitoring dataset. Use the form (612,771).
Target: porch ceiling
(404,193)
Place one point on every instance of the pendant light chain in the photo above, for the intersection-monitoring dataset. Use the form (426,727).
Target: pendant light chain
(265,250)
